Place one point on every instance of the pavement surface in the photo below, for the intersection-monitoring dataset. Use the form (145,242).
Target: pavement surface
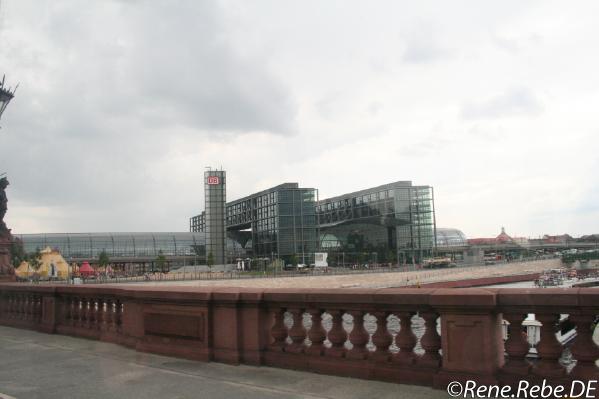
(375,280)
(36,365)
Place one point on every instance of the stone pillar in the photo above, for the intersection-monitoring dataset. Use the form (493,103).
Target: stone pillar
(7,271)
(471,337)
(227,328)
(255,334)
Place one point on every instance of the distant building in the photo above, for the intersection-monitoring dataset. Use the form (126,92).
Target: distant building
(502,239)
(393,220)
(559,239)
(590,238)
(447,237)
(277,222)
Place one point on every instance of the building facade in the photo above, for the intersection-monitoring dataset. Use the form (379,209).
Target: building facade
(387,223)
(382,224)
(279,222)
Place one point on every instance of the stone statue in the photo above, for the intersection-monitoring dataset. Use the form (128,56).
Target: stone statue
(6,269)
(3,205)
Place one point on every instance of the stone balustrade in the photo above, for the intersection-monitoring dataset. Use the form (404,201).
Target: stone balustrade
(423,336)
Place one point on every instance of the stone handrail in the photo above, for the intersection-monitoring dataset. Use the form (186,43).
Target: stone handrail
(422,336)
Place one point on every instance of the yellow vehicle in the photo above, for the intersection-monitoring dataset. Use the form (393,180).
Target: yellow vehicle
(437,262)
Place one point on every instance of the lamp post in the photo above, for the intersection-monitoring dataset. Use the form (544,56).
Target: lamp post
(6,94)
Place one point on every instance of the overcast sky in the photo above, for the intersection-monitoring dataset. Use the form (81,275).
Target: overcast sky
(122,104)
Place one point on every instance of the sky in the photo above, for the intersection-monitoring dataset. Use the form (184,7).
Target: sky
(123,104)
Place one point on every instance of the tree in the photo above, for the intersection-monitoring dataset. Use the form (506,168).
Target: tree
(210,260)
(34,259)
(17,252)
(391,256)
(360,258)
(103,259)
(293,260)
(161,261)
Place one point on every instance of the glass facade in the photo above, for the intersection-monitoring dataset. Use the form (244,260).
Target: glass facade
(296,223)
(395,221)
(451,238)
(278,222)
(391,221)
(215,198)
(117,245)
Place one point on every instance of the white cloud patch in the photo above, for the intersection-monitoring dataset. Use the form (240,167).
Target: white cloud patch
(424,44)
(515,102)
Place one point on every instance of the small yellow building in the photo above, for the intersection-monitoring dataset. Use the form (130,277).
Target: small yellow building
(51,261)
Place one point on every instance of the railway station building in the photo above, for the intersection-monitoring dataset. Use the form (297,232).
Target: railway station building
(391,222)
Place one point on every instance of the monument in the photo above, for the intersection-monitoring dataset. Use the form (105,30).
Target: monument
(7,271)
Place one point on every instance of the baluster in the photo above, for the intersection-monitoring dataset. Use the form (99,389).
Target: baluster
(25,315)
(110,308)
(118,313)
(584,350)
(516,346)
(28,307)
(76,312)
(4,310)
(84,314)
(297,332)
(38,308)
(102,316)
(430,341)
(405,339)
(358,336)
(21,299)
(381,338)
(278,331)
(17,306)
(10,306)
(32,306)
(93,313)
(13,306)
(66,310)
(337,335)
(317,333)
(548,348)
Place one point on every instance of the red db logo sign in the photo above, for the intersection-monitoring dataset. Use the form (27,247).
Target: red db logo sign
(213,180)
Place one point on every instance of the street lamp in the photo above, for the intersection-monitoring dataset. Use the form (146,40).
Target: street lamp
(6,94)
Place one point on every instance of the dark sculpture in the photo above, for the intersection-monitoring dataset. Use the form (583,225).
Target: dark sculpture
(6,268)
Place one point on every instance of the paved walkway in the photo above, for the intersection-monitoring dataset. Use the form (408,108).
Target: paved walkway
(376,280)
(36,365)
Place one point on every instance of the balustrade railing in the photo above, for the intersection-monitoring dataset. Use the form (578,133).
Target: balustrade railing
(417,336)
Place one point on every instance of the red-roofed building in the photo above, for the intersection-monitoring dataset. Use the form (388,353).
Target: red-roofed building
(560,239)
(502,238)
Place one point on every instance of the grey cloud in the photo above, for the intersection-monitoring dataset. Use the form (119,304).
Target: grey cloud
(424,45)
(168,65)
(375,107)
(515,45)
(109,84)
(515,102)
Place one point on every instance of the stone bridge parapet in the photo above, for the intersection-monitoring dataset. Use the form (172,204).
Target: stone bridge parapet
(423,336)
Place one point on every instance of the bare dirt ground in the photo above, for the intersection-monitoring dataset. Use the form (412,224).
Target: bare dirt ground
(376,280)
